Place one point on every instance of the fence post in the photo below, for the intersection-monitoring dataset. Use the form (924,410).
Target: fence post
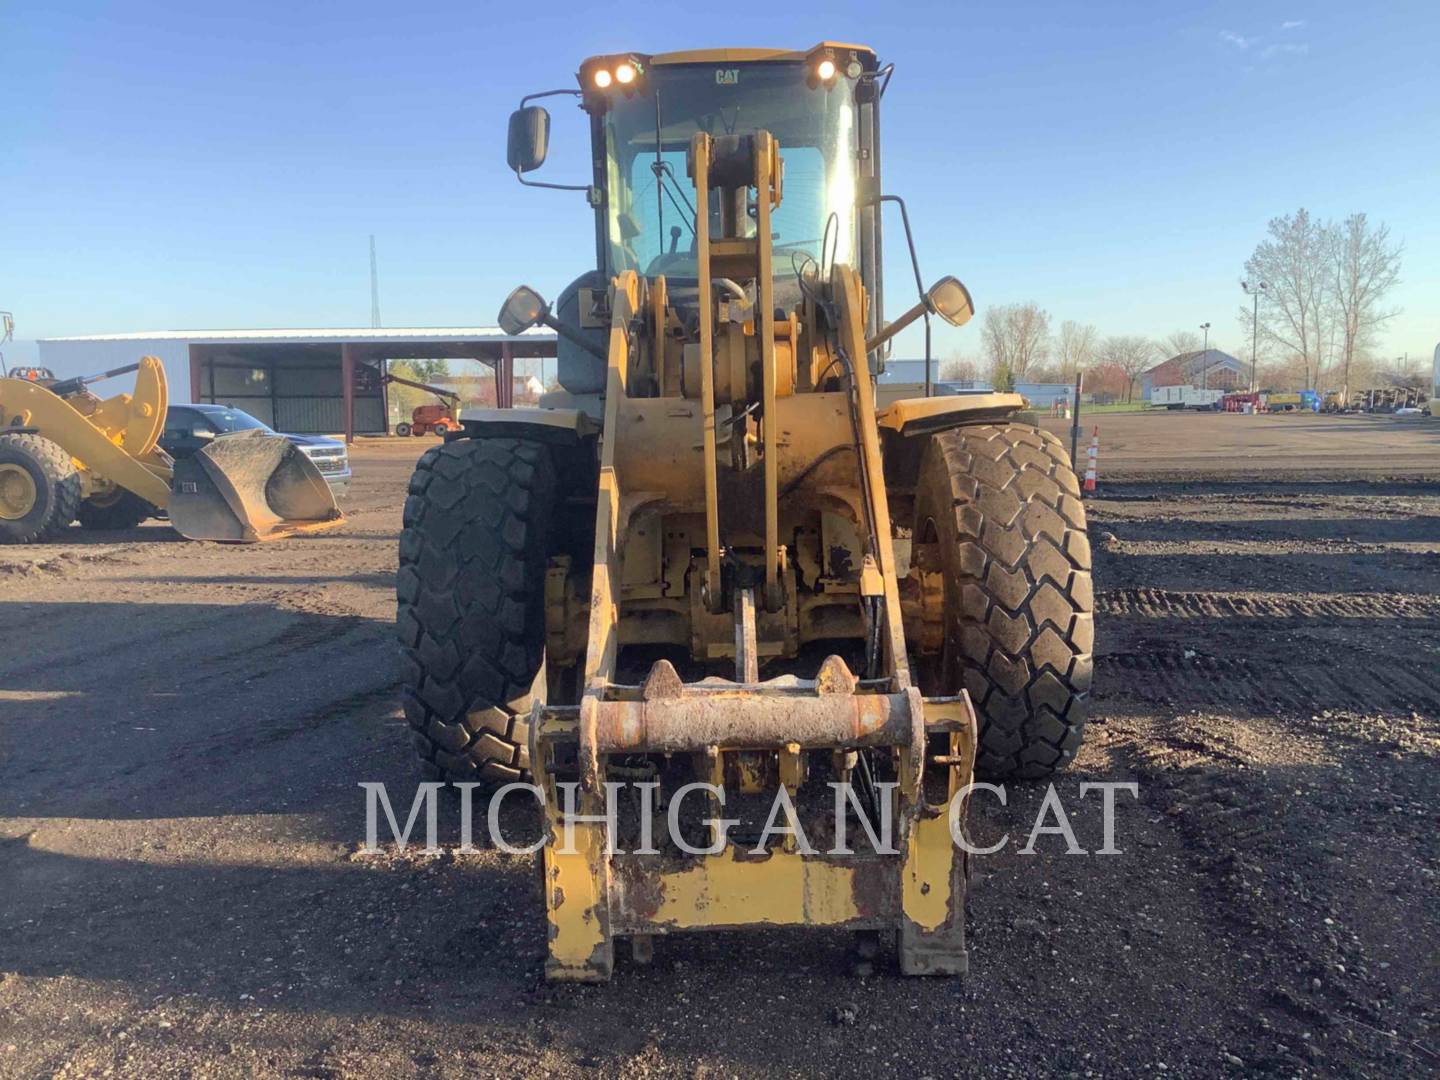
(1075,418)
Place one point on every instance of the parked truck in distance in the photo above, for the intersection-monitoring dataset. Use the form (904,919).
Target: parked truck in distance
(1185,397)
(1379,399)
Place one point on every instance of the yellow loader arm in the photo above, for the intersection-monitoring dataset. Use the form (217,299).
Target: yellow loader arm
(114,442)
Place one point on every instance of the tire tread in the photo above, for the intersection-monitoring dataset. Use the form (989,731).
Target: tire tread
(63,490)
(1022,628)
(470,604)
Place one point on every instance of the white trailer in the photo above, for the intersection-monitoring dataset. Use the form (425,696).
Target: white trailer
(1185,397)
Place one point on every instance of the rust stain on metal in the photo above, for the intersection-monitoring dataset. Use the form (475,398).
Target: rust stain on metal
(875,889)
(642,890)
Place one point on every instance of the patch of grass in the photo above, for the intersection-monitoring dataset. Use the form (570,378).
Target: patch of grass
(1119,406)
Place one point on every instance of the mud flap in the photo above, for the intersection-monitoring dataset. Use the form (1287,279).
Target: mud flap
(249,486)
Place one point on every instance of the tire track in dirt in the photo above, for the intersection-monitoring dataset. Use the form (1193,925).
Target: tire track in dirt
(95,645)
(1172,604)
(68,561)
(1187,678)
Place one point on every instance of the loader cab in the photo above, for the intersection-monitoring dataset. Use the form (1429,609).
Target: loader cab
(821,105)
(42,375)
(642,125)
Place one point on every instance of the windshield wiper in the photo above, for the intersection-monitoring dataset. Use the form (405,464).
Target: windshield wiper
(661,170)
(687,212)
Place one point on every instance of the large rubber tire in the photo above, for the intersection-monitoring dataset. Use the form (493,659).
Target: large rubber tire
(1003,504)
(56,484)
(471,604)
(122,510)
(402,429)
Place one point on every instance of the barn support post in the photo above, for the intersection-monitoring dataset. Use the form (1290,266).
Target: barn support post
(505,378)
(383,365)
(347,389)
(196,374)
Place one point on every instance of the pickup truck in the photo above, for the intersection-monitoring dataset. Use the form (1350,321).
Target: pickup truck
(189,427)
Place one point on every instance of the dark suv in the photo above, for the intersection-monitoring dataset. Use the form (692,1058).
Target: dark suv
(190,427)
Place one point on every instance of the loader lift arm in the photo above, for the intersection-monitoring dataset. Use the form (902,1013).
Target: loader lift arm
(444,395)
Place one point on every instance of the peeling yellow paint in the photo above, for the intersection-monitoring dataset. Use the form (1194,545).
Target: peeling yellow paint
(576,894)
(925,880)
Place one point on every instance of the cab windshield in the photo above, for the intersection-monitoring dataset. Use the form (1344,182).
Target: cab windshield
(651,214)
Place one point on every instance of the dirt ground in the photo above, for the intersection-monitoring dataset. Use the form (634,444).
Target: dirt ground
(1188,446)
(183,728)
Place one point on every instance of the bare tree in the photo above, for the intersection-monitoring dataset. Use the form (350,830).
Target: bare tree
(1364,265)
(959,368)
(1077,345)
(1105,382)
(1014,337)
(1179,343)
(1182,343)
(1295,309)
(1130,354)
(1402,372)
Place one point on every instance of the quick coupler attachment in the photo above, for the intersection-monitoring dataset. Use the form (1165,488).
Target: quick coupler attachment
(720,805)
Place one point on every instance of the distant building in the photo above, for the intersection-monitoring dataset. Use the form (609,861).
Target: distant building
(907,372)
(1204,368)
(316,381)
(904,379)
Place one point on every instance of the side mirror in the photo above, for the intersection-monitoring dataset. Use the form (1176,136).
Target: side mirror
(529,139)
(524,307)
(949,299)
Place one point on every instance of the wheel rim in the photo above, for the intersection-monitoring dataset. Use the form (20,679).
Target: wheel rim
(17,492)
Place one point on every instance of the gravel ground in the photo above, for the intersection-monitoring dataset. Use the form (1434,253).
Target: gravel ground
(183,728)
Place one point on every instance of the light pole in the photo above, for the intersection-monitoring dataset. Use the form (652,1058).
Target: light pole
(7,331)
(1205,358)
(1254,326)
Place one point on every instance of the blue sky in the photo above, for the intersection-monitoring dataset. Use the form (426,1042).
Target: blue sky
(169,166)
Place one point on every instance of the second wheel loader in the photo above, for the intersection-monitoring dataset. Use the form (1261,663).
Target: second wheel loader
(67,455)
(711,559)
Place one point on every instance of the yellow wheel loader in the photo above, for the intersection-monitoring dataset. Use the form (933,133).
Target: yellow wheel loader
(67,455)
(711,563)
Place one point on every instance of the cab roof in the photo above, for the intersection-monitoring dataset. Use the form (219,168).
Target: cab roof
(737,55)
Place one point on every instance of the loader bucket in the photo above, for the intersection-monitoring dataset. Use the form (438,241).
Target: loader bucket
(252,485)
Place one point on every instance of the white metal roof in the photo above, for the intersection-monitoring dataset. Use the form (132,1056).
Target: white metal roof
(322,336)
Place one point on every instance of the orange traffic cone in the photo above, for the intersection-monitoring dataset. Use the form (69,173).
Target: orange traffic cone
(1092,454)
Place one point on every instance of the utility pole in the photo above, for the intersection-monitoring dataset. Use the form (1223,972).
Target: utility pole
(1254,327)
(374,287)
(7,331)
(1205,358)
